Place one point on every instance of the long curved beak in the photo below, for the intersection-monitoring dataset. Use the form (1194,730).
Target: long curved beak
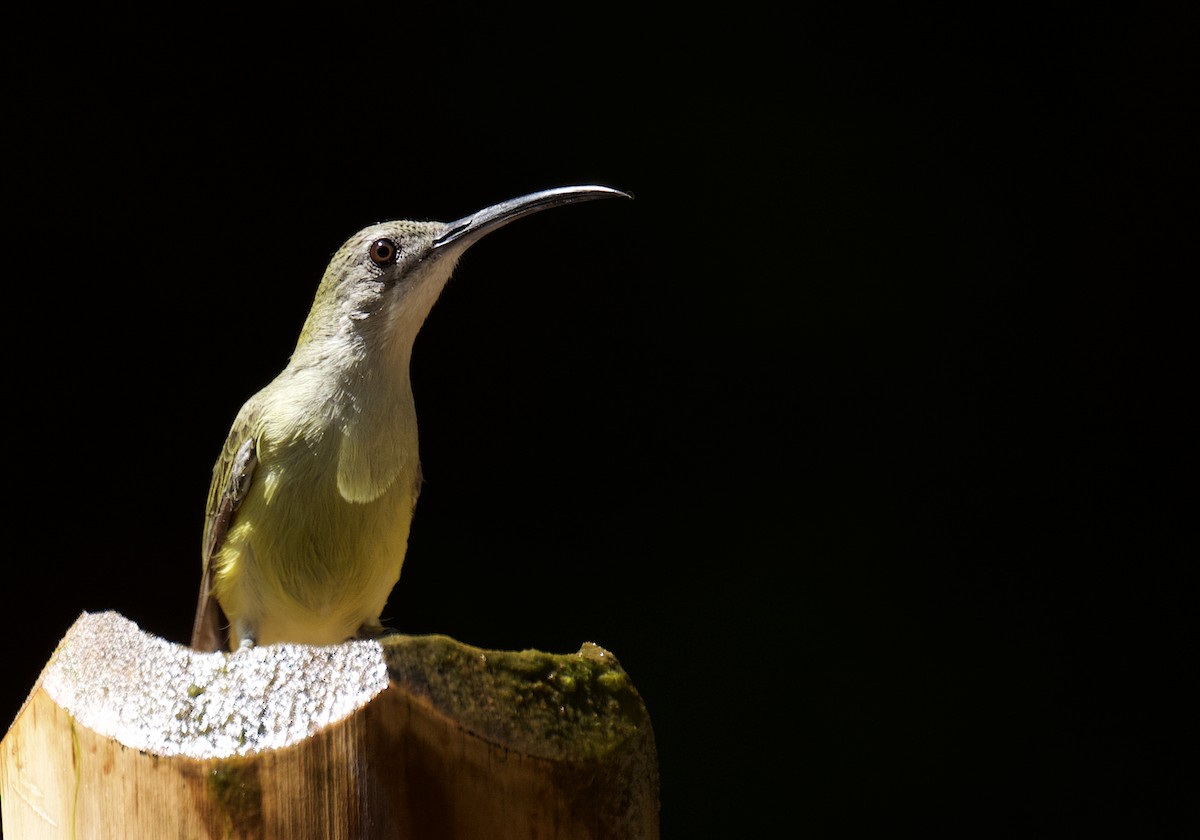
(461,234)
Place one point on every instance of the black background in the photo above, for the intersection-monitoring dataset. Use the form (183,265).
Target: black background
(852,436)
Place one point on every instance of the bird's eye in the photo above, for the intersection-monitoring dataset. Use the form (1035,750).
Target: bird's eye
(383,252)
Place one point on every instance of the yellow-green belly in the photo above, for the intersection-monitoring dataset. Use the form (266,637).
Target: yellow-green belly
(302,564)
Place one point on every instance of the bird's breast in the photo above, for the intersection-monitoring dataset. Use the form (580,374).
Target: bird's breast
(312,560)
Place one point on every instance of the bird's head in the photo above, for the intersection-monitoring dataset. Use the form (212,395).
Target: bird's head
(382,283)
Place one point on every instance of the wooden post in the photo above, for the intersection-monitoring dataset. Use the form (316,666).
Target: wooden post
(127,735)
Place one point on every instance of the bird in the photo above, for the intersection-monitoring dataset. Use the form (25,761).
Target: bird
(308,513)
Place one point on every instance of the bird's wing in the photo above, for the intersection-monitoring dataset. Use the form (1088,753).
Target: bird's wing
(231,479)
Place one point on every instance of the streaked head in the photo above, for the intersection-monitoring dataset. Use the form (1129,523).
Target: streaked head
(382,283)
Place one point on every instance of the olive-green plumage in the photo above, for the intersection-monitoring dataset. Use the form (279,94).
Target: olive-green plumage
(313,494)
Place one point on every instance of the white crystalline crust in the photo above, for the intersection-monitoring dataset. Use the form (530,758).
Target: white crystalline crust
(159,697)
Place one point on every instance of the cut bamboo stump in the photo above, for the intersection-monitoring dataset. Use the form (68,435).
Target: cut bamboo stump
(131,736)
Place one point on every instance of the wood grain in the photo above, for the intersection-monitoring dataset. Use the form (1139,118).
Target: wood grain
(127,735)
